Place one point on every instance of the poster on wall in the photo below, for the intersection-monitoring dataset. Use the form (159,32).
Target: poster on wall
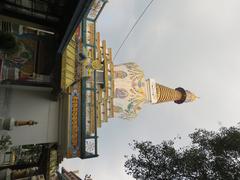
(21,62)
(31,59)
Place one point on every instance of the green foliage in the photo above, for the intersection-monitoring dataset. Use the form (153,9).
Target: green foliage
(5,142)
(27,153)
(212,155)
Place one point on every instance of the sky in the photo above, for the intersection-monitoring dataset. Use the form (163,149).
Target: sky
(191,44)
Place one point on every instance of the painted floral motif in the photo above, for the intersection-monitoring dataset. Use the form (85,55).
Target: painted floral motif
(120,74)
(134,71)
(121,93)
(117,109)
(131,111)
(24,51)
(134,84)
(90,146)
(138,85)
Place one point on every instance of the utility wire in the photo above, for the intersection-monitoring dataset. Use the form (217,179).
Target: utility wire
(139,18)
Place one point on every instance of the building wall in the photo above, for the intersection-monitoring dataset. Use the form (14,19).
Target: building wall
(31,103)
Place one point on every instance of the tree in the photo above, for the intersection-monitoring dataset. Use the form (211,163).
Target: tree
(211,155)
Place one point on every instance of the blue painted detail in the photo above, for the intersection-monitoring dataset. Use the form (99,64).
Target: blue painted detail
(83,123)
(95,111)
(91,89)
(84,137)
(90,45)
(73,149)
(70,127)
(82,108)
(82,56)
(79,121)
(74,152)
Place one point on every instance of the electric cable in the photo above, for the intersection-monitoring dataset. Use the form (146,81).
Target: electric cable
(139,18)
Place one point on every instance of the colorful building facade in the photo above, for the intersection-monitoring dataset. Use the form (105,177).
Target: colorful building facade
(95,90)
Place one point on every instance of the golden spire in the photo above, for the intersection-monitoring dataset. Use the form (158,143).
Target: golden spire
(190,96)
(165,94)
(178,95)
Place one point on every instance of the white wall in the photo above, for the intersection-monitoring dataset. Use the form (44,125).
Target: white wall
(33,103)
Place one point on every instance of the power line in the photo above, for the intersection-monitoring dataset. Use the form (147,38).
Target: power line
(139,18)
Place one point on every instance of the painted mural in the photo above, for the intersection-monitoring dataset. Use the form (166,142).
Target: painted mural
(19,62)
(121,93)
(24,50)
(30,59)
(129,89)
(120,74)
